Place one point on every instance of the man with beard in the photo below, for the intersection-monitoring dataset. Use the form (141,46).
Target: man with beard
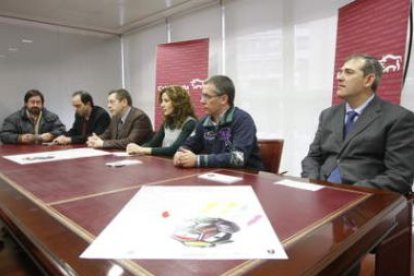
(89,119)
(33,124)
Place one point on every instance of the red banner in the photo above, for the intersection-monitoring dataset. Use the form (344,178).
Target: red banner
(378,28)
(181,63)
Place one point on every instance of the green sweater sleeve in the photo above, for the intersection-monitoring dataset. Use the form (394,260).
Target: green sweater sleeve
(157,139)
(186,130)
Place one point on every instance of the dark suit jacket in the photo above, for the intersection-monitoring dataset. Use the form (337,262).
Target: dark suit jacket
(98,122)
(137,128)
(378,152)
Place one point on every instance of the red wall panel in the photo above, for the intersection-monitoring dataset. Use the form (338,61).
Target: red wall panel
(181,63)
(378,28)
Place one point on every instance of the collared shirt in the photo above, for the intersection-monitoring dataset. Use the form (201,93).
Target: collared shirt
(35,120)
(123,118)
(221,118)
(359,109)
(121,123)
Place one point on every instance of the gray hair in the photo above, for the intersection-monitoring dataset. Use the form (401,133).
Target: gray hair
(224,86)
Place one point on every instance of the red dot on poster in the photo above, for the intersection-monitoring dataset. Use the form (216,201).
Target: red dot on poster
(165,214)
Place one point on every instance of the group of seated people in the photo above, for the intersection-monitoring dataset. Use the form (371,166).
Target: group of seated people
(227,134)
(364,141)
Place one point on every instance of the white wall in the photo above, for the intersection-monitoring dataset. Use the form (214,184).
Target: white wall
(140,52)
(407,94)
(58,62)
(280,54)
(201,24)
(281,60)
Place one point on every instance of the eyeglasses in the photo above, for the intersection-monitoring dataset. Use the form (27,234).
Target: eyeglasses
(208,97)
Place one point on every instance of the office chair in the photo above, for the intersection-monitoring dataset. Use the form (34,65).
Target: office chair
(271,153)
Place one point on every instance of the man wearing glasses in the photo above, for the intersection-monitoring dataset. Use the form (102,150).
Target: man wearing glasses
(226,137)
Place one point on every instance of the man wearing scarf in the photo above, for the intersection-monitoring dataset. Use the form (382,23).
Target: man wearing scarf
(33,124)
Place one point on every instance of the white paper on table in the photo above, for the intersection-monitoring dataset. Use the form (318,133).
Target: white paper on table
(220,177)
(159,223)
(299,185)
(49,156)
(122,163)
(121,154)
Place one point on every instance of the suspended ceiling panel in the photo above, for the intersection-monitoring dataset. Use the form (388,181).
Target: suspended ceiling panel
(108,16)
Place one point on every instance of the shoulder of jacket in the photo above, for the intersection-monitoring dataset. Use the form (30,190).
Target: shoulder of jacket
(137,111)
(49,114)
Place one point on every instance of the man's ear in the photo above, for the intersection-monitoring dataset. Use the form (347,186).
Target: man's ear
(124,102)
(225,99)
(369,80)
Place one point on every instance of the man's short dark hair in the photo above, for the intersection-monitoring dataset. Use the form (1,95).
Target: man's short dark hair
(224,86)
(33,93)
(84,96)
(122,94)
(371,66)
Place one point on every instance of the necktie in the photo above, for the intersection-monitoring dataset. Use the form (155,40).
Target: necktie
(119,127)
(335,175)
(349,124)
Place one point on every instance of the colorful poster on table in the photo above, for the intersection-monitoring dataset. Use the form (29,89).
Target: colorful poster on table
(189,222)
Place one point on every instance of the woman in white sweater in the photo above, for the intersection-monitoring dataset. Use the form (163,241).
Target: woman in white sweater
(179,122)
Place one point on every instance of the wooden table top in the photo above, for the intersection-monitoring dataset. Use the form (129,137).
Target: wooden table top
(56,209)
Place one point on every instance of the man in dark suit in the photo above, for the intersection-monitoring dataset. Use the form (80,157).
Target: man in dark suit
(378,150)
(89,118)
(128,124)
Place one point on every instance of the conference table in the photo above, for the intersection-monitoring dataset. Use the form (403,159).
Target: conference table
(56,209)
